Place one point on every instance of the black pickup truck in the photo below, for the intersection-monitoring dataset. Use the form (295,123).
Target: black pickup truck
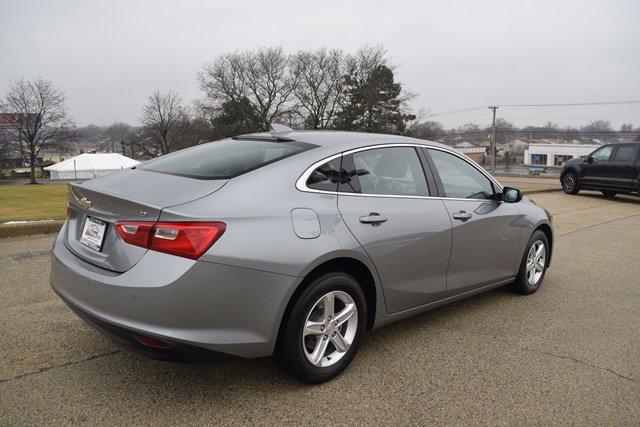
(612,169)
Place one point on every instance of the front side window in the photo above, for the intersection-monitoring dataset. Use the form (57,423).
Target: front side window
(224,159)
(325,177)
(602,154)
(394,171)
(625,153)
(459,179)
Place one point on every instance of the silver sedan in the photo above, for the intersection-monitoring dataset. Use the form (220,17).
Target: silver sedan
(290,244)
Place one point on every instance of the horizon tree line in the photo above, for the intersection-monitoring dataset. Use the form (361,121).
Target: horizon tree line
(247,91)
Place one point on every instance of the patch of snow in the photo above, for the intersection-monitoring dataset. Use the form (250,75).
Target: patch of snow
(28,222)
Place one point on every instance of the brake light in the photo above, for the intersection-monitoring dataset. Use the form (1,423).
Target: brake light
(185,239)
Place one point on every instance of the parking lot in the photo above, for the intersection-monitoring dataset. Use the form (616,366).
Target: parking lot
(567,354)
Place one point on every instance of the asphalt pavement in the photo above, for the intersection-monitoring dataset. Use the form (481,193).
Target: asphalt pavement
(567,354)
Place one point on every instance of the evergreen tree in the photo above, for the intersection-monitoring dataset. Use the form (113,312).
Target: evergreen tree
(236,118)
(373,102)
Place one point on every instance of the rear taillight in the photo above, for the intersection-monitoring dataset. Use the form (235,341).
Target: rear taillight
(185,239)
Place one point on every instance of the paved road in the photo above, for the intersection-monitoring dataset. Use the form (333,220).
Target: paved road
(530,184)
(568,354)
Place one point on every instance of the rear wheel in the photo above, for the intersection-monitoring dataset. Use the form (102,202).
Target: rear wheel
(533,266)
(323,331)
(570,183)
(608,193)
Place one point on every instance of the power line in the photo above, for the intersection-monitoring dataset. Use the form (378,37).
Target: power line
(568,104)
(462,110)
(572,104)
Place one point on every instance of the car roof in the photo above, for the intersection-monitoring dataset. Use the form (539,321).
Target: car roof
(326,138)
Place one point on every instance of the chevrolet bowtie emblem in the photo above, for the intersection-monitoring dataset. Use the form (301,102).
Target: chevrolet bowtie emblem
(84,203)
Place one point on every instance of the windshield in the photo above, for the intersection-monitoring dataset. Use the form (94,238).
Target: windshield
(224,159)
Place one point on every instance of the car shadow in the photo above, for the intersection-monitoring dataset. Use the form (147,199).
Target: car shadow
(620,198)
(254,376)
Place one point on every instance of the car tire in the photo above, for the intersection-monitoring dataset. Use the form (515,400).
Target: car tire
(297,348)
(609,194)
(570,183)
(528,281)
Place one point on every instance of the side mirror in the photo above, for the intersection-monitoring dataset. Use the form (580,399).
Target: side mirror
(588,159)
(511,195)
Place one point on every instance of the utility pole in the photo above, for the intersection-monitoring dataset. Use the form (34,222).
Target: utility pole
(493,139)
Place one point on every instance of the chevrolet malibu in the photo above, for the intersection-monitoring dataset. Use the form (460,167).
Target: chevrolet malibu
(290,244)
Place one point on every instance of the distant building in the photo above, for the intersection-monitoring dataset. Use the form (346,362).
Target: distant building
(555,154)
(10,119)
(477,154)
(464,144)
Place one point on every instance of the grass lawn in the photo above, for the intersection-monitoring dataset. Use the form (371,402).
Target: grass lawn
(32,202)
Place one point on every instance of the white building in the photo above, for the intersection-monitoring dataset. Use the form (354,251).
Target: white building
(555,154)
(87,166)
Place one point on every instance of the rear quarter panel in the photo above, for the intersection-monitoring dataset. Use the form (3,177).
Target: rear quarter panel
(256,208)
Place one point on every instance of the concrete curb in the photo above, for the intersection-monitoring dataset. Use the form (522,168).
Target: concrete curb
(36,227)
(544,190)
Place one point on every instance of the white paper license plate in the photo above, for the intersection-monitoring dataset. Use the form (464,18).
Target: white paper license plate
(93,233)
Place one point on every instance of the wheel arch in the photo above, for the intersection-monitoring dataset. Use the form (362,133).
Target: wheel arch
(567,170)
(365,275)
(548,231)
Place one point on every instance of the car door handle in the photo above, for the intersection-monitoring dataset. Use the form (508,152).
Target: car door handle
(373,218)
(462,216)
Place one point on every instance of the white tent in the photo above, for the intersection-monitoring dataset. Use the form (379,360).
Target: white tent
(87,166)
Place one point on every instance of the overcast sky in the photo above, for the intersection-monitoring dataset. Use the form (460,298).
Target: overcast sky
(108,56)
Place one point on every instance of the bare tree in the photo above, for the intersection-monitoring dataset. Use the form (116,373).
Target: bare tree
(320,85)
(427,130)
(626,127)
(161,117)
(39,118)
(263,78)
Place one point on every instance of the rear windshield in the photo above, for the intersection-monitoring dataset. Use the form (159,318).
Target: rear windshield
(224,159)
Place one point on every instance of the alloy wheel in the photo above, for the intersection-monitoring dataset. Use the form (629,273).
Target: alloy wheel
(569,183)
(536,259)
(330,328)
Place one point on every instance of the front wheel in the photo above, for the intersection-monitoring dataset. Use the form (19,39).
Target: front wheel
(322,333)
(533,266)
(570,183)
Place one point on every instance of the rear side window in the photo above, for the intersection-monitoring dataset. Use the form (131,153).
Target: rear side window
(625,153)
(224,159)
(392,171)
(326,177)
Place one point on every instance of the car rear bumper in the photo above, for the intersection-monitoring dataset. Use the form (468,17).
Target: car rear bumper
(186,303)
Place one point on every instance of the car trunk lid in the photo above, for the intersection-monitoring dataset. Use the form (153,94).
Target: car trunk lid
(131,195)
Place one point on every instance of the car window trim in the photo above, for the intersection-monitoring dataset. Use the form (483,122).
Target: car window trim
(302,180)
